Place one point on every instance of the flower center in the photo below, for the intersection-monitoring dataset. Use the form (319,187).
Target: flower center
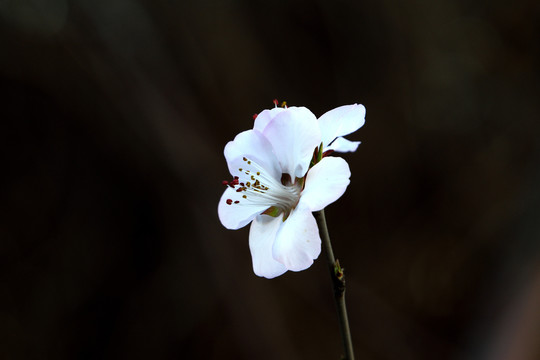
(257,187)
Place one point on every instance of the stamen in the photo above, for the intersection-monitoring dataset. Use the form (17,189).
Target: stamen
(231,183)
(262,189)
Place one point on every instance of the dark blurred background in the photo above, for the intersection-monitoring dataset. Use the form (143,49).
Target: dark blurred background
(114,117)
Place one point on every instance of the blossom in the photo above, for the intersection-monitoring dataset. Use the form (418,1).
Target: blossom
(276,184)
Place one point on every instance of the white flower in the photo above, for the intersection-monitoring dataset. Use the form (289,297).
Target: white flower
(275,189)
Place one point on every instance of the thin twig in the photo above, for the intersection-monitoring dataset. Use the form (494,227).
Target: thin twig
(338,282)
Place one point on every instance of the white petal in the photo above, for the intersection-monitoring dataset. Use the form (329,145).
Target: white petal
(253,145)
(261,238)
(294,134)
(265,117)
(236,216)
(298,242)
(325,183)
(341,121)
(343,145)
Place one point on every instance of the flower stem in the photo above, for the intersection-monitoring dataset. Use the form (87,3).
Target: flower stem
(338,282)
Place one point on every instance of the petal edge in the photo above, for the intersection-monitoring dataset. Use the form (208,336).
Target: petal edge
(298,242)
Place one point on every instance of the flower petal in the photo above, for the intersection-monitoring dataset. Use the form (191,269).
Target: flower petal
(294,134)
(253,145)
(325,183)
(237,215)
(341,121)
(265,117)
(343,145)
(297,242)
(262,234)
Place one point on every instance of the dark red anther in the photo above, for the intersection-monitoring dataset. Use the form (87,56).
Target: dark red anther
(231,183)
(255,116)
(275,102)
(229,201)
(239,189)
(236,202)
